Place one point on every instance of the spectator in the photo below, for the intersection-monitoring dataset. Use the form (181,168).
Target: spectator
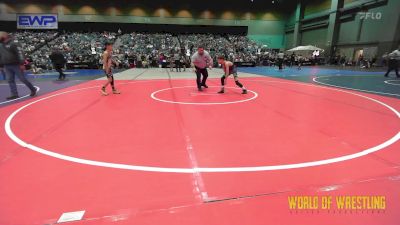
(12,58)
(393,63)
(58,60)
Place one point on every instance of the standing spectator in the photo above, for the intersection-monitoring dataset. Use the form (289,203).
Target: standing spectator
(171,63)
(184,62)
(299,62)
(343,60)
(177,58)
(292,59)
(281,57)
(360,61)
(393,63)
(12,58)
(58,60)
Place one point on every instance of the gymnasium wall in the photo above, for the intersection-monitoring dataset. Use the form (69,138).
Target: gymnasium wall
(380,34)
(318,6)
(316,37)
(310,36)
(372,30)
(312,7)
(289,40)
(266,27)
(289,27)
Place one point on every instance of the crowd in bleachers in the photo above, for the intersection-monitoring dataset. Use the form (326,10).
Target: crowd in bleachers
(245,49)
(144,49)
(135,49)
(76,48)
(30,41)
(155,49)
(215,44)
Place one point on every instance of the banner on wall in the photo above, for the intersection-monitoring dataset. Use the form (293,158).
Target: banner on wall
(37,21)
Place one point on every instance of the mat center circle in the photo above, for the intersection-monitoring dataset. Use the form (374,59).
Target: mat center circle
(189,95)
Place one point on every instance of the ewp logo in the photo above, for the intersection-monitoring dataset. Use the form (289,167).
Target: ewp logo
(43,21)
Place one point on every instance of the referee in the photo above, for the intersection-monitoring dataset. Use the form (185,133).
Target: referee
(201,60)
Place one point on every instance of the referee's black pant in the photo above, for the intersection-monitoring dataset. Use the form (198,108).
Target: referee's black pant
(199,72)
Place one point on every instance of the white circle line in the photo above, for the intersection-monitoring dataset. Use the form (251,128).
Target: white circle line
(381,146)
(25,96)
(389,82)
(153,96)
(315,79)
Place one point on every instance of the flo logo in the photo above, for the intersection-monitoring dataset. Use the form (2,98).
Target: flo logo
(370,15)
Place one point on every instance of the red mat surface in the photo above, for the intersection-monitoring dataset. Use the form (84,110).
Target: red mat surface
(279,123)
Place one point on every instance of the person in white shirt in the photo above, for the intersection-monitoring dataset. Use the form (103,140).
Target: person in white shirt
(201,60)
(393,62)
